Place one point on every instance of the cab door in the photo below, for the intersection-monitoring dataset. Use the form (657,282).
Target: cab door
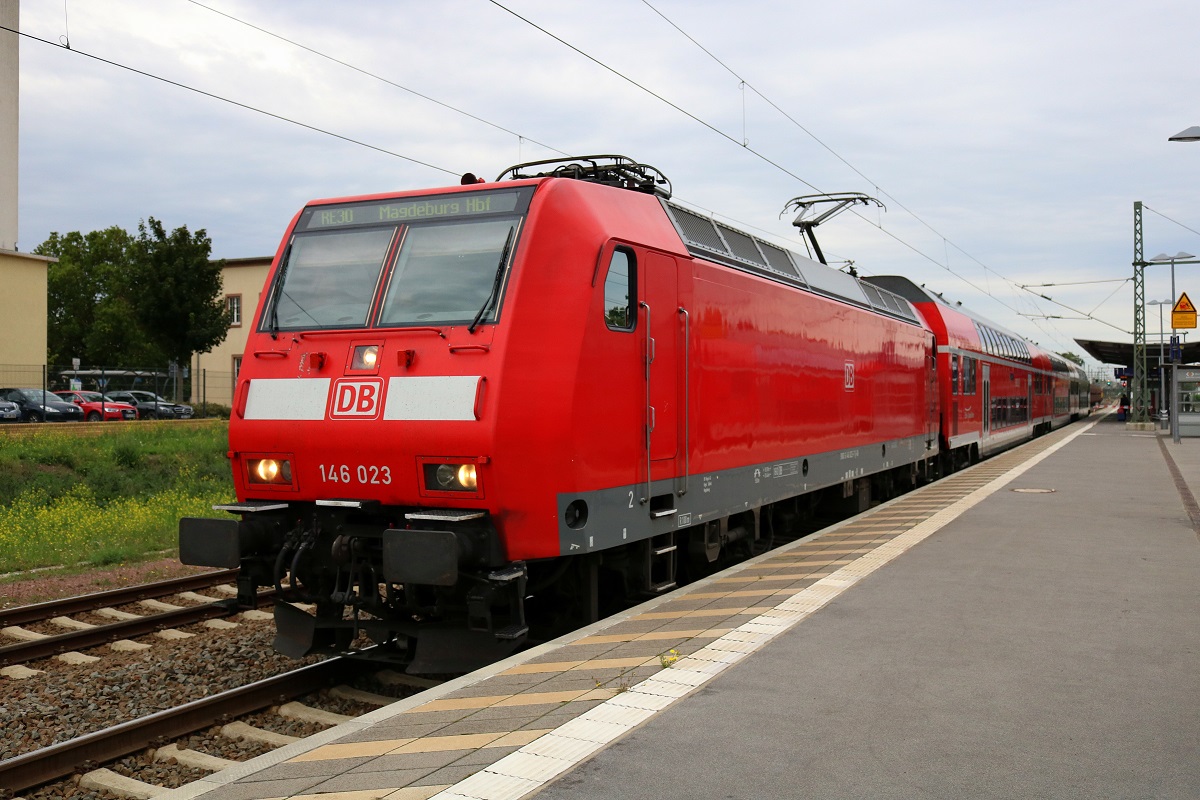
(659,308)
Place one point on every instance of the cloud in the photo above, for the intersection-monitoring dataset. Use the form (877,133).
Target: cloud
(1006,139)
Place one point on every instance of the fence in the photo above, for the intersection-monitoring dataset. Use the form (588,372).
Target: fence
(204,389)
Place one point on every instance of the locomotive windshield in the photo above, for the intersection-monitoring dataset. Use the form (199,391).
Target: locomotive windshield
(445,273)
(328,279)
(435,261)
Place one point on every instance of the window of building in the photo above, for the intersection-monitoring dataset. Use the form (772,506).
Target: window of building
(237,367)
(233,303)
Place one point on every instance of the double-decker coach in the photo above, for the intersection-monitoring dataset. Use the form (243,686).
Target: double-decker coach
(996,388)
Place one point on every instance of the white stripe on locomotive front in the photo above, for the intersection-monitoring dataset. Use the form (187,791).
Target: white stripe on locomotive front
(287,398)
(434,398)
(441,398)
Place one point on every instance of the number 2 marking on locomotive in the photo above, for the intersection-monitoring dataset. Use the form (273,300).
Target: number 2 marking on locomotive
(631,499)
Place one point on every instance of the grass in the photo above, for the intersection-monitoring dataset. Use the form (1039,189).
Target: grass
(67,499)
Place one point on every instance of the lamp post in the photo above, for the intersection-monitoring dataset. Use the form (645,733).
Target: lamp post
(1192,134)
(1162,258)
(1139,399)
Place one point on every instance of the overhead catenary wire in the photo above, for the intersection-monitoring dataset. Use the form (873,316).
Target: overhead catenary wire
(654,94)
(376,76)
(745,146)
(1168,219)
(230,101)
(520,137)
(744,84)
(743,143)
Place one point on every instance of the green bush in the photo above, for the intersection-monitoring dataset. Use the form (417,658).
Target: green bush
(212,411)
(67,499)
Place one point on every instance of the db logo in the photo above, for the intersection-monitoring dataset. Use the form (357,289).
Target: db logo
(356,399)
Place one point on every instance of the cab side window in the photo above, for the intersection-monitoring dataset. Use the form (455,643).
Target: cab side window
(619,299)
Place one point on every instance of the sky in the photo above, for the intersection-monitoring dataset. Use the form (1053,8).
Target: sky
(1008,141)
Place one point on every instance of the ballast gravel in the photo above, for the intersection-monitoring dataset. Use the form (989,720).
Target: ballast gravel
(66,701)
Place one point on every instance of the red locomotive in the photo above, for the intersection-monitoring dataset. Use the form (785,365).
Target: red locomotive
(462,404)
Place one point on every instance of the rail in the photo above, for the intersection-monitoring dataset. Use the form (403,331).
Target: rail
(114,597)
(60,760)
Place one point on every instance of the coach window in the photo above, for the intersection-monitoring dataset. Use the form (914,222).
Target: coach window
(618,296)
(954,374)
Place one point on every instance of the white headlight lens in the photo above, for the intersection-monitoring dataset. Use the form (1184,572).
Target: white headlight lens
(267,470)
(466,476)
(366,356)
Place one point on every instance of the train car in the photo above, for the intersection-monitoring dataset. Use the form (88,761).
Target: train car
(996,388)
(463,404)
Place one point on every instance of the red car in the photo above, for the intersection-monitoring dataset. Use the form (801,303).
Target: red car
(97,407)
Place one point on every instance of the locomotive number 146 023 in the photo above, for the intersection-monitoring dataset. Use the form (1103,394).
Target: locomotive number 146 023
(362,473)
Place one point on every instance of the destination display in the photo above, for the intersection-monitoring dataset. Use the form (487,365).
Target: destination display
(412,209)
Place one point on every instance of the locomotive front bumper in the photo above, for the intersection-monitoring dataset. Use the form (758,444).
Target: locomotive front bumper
(208,542)
(431,584)
(432,555)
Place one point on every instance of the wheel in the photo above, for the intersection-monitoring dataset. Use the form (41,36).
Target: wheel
(93,416)
(36,417)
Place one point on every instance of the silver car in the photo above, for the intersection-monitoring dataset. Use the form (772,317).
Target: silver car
(9,411)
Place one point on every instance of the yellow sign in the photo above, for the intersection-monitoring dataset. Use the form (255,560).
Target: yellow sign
(1183,313)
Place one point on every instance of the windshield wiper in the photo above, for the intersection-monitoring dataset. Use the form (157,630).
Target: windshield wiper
(283,265)
(495,283)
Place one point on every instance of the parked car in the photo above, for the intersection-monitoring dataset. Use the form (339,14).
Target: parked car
(38,405)
(97,407)
(9,411)
(151,406)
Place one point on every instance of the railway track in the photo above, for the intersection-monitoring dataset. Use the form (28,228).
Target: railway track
(114,597)
(143,738)
(33,645)
(65,759)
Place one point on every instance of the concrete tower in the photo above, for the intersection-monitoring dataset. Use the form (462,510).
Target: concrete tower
(10,15)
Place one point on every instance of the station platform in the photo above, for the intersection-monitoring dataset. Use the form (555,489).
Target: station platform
(1023,628)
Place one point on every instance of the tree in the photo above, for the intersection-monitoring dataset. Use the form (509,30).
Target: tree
(120,301)
(1074,359)
(88,319)
(178,290)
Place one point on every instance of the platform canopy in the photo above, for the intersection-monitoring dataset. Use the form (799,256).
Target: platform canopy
(1121,353)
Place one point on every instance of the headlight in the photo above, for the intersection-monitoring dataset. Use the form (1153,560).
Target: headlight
(270,471)
(451,477)
(366,357)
